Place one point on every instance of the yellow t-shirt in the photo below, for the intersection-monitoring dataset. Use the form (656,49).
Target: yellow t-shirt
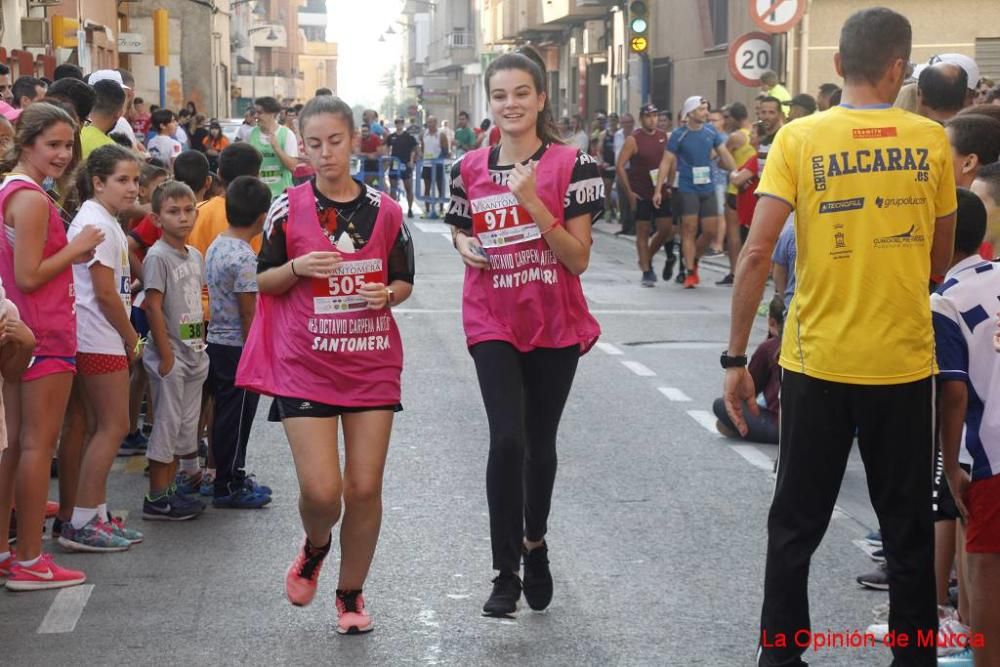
(867,186)
(91,139)
(781,94)
(211,222)
(740,156)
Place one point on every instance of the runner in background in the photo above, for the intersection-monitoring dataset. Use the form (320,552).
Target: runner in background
(742,149)
(433,146)
(277,145)
(404,147)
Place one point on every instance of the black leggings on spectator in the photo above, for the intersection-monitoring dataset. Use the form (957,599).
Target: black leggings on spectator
(762,428)
(524,395)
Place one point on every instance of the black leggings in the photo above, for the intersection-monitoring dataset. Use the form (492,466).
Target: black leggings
(524,395)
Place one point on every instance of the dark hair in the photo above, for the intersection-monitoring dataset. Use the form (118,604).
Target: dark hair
(239,159)
(828,89)
(247,198)
(485,125)
(101,164)
(4,70)
(191,168)
(738,111)
(520,60)
(268,104)
(67,71)
(298,108)
(772,100)
(25,86)
(76,92)
(975,135)
(870,41)
(991,110)
(153,108)
(943,87)
(161,118)
(970,222)
(33,122)
(138,100)
(776,310)
(323,91)
(110,98)
(669,114)
(121,139)
(836,97)
(990,175)
(170,190)
(150,172)
(463,113)
(127,77)
(807,102)
(190,107)
(326,104)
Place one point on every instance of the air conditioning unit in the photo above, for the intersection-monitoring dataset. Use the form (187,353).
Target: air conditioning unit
(34,32)
(34,4)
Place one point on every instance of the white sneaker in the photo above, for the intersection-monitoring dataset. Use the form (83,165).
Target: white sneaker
(953,637)
(879,630)
(881,612)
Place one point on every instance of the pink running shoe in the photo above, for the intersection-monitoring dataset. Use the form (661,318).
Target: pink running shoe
(303,575)
(352,619)
(5,565)
(43,575)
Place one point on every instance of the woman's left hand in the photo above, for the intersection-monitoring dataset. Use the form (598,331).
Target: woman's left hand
(523,184)
(375,294)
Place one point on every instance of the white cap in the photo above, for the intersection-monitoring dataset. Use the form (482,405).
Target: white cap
(963,61)
(107,75)
(690,104)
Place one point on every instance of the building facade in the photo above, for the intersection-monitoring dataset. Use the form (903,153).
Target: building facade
(318,60)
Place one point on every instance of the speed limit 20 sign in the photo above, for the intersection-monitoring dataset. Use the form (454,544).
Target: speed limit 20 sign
(750,57)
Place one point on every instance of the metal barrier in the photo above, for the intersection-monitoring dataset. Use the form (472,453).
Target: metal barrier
(440,180)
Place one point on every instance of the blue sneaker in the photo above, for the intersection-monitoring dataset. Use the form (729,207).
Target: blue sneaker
(207,487)
(874,538)
(964,659)
(242,498)
(134,444)
(118,528)
(188,485)
(94,537)
(169,508)
(250,482)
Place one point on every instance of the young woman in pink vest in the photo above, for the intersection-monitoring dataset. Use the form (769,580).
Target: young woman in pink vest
(336,257)
(521,214)
(36,267)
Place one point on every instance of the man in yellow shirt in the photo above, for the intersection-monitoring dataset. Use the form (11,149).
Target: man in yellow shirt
(873,192)
(108,108)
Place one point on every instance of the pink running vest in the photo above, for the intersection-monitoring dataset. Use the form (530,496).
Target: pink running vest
(527,297)
(319,341)
(50,310)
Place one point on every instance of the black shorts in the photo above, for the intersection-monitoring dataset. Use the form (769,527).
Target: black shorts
(646,212)
(285,407)
(406,174)
(731,200)
(945,508)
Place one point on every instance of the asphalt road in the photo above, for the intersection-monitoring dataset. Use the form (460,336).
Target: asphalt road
(657,532)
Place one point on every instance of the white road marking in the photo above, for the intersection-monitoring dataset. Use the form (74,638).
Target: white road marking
(639,369)
(459,596)
(617,311)
(674,394)
(608,348)
(864,546)
(447,237)
(705,418)
(433,228)
(754,457)
(65,610)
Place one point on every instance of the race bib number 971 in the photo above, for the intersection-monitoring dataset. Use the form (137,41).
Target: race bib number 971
(340,292)
(499,220)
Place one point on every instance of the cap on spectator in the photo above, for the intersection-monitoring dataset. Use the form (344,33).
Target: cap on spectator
(690,104)
(107,75)
(805,101)
(963,61)
(648,109)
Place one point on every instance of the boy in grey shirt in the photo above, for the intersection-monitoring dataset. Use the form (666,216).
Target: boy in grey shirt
(175,357)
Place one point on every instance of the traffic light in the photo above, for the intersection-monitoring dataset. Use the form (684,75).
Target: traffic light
(161,38)
(64,32)
(638,25)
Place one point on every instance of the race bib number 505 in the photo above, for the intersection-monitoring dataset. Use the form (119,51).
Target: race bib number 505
(499,220)
(339,293)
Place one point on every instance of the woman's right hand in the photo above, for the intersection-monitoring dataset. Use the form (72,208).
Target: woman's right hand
(83,245)
(471,251)
(320,264)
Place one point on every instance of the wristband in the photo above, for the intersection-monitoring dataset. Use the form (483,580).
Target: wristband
(292,264)
(551,227)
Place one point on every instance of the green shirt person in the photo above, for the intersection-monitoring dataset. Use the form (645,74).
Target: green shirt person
(277,144)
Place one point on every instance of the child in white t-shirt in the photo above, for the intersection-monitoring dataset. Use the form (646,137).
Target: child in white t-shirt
(163,146)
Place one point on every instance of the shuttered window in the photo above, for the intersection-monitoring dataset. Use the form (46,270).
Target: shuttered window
(988,57)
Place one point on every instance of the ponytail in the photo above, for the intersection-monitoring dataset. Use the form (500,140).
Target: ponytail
(527,60)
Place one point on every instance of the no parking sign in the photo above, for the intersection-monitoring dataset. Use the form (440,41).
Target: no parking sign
(777,16)
(749,57)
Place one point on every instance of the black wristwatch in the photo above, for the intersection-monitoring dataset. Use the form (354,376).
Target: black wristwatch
(733,362)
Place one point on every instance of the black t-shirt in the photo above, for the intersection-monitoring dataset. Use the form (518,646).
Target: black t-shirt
(355,218)
(585,194)
(401,145)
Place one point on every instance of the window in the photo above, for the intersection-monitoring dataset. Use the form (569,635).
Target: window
(660,93)
(719,15)
(988,57)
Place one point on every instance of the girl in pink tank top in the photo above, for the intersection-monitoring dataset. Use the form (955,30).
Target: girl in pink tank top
(524,233)
(35,265)
(324,344)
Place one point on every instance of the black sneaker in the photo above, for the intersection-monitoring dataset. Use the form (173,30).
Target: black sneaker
(537,578)
(503,599)
(648,279)
(728,280)
(409,214)
(668,268)
(57,525)
(681,276)
(878,580)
